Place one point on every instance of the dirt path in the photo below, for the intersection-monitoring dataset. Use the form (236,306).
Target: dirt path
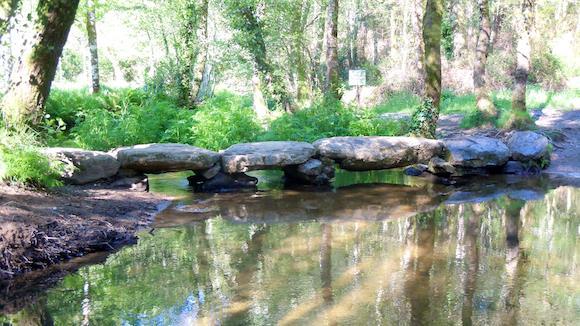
(38,229)
(563,127)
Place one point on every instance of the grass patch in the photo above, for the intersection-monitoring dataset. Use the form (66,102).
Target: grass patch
(404,102)
(21,161)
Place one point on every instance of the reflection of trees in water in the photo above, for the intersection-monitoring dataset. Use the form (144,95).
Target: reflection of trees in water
(473,216)
(247,264)
(515,262)
(417,279)
(326,268)
(36,314)
(287,270)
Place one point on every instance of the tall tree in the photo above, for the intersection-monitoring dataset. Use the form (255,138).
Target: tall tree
(91,23)
(299,17)
(31,82)
(425,118)
(203,44)
(185,49)
(484,103)
(418,43)
(519,116)
(250,36)
(432,40)
(332,81)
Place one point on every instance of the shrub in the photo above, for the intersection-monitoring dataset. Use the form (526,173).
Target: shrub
(547,70)
(127,117)
(330,119)
(22,162)
(222,121)
(102,129)
(71,65)
(499,68)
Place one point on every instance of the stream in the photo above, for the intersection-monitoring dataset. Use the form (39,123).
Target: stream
(379,248)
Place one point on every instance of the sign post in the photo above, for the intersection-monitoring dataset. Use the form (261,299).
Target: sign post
(357,78)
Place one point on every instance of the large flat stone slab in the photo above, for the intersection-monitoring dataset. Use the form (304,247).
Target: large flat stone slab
(477,152)
(161,158)
(265,155)
(377,153)
(90,166)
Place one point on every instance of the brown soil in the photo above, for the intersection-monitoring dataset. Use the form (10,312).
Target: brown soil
(39,229)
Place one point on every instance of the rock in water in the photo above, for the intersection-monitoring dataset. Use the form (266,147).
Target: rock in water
(313,171)
(265,155)
(528,146)
(415,170)
(161,158)
(90,166)
(439,166)
(477,152)
(223,182)
(376,153)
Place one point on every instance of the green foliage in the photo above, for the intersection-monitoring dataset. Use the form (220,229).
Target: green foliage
(330,118)
(547,70)
(399,102)
(222,121)
(452,103)
(126,117)
(71,65)
(373,73)
(22,162)
(166,80)
(424,120)
(499,69)
(447,31)
(102,129)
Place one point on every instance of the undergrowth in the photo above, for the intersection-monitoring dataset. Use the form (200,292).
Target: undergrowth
(330,119)
(102,123)
(21,161)
(123,117)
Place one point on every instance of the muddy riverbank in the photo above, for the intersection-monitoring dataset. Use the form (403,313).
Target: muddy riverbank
(39,229)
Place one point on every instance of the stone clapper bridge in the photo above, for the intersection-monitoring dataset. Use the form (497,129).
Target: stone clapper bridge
(522,153)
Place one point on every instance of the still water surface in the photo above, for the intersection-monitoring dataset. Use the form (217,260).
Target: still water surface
(497,253)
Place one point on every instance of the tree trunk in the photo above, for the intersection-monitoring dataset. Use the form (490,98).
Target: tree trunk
(252,39)
(332,82)
(424,121)
(259,103)
(484,103)
(30,87)
(8,9)
(419,47)
(203,41)
(204,88)
(317,60)
(301,10)
(520,118)
(432,40)
(93,49)
(186,52)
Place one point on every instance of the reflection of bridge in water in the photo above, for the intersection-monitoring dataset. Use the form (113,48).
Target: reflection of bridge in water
(365,202)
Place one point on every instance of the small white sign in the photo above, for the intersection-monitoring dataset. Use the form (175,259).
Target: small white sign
(357,77)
